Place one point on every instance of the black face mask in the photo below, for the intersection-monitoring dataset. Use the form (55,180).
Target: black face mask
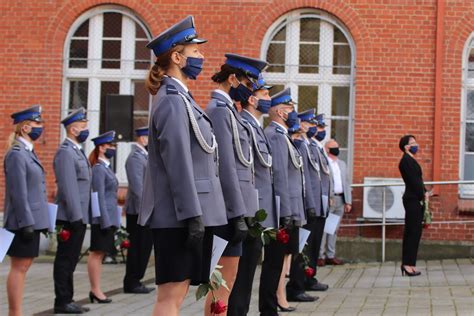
(334,151)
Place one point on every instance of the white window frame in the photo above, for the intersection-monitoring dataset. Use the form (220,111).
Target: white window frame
(324,79)
(466,190)
(95,74)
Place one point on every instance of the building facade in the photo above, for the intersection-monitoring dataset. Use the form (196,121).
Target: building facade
(377,69)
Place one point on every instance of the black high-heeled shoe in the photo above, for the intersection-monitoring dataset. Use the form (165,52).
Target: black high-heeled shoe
(410,274)
(93,298)
(286,309)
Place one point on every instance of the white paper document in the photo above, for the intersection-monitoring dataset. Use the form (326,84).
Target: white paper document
(6,239)
(53,213)
(304,234)
(119,216)
(218,247)
(95,208)
(331,223)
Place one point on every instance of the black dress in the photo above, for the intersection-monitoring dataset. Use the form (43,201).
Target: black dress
(413,201)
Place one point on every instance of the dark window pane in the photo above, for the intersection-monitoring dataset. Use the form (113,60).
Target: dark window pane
(106,87)
(276,58)
(309,30)
(340,101)
(78,54)
(276,88)
(470,65)
(343,155)
(112,25)
(78,91)
(142,55)
(470,105)
(307,97)
(469,167)
(111,54)
(342,59)
(281,35)
(309,58)
(339,36)
(470,137)
(141,97)
(340,131)
(139,32)
(83,30)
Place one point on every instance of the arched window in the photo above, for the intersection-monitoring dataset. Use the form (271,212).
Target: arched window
(467,120)
(105,54)
(311,52)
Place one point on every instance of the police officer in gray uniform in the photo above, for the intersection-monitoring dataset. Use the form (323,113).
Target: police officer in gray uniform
(26,205)
(140,237)
(182,194)
(73,180)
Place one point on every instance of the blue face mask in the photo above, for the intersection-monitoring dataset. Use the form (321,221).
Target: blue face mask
(83,135)
(35,133)
(264,105)
(110,153)
(241,93)
(312,131)
(292,119)
(321,135)
(193,67)
(413,149)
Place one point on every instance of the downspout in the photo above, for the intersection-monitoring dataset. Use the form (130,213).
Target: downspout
(440,12)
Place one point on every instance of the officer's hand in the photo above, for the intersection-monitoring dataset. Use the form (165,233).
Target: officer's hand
(240,229)
(311,214)
(27,233)
(286,223)
(76,225)
(195,232)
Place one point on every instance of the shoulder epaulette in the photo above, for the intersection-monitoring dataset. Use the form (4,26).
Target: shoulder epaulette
(220,103)
(170,89)
(280,130)
(16,147)
(64,145)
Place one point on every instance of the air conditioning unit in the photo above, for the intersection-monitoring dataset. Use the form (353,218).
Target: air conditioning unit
(373,197)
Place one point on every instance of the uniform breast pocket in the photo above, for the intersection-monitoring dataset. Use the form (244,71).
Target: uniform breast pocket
(203,186)
(35,207)
(262,147)
(83,172)
(244,175)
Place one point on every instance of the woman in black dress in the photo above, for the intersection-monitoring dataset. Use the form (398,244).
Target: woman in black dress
(413,201)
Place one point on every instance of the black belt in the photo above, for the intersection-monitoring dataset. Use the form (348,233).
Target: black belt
(339,194)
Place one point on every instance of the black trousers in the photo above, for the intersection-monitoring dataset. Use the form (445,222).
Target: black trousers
(412,232)
(67,256)
(241,294)
(274,255)
(298,279)
(138,255)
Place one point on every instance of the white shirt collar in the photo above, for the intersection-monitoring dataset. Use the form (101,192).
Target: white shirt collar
(284,127)
(142,148)
(76,145)
(105,161)
(254,118)
(225,94)
(29,146)
(180,83)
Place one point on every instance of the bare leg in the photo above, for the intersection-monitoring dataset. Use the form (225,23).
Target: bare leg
(94,268)
(281,291)
(16,284)
(170,296)
(229,273)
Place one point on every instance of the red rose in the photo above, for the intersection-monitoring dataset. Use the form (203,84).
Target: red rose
(64,234)
(426,226)
(218,307)
(125,244)
(309,272)
(282,236)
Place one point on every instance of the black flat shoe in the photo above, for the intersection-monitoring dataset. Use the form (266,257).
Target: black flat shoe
(302,297)
(70,308)
(286,309)
(141,289)
(317,287)
(94,298)
(410,274)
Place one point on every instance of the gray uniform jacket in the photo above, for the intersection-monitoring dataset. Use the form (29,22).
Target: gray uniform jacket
(135,167)
(105,183)
(181,179)
(237,180)
(346,186)
(263,174)
(312,178)
(288,180)
(325,174)
(73,181)
(26,202)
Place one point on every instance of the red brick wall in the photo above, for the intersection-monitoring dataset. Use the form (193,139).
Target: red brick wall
(395,73)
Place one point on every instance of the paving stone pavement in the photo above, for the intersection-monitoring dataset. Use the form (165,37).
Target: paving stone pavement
(445,288)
